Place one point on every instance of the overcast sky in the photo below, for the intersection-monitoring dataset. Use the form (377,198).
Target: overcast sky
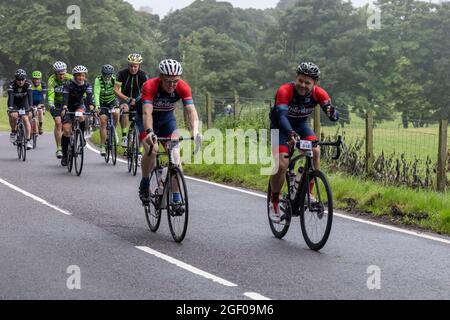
(162,7)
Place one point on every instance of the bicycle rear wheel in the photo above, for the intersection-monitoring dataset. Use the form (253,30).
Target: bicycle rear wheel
(177,213)
(135,151)
(34,134)
(316,211)
(113,144)
(21,142)
(280,229)
(152,209)
(108,147)
(70,151)
(130,149)
(78,152)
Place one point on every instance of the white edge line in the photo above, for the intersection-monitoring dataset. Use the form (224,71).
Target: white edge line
(36,198)
(255,296)
(187,267)
(340,215)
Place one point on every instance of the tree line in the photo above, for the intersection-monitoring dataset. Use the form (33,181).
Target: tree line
(402,66)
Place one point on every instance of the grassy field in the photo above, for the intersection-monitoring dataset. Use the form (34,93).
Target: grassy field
(4,122)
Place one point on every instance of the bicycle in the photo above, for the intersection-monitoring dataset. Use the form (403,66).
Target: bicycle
(162,184)
(34,126)
(75,151)
(21,137)
(314,206)
(132,144)
(111,138)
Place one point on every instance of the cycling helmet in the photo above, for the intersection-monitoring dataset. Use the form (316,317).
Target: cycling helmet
(135,58)
(20,74)
(79,69)
(170,67)
(59,66)
(36,75)
(107,70)
(309,69)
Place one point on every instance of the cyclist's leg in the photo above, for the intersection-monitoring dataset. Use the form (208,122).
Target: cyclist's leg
(148,160)
(13,116)
(306,133)
(103,117)
(65,139)
(58,128)
(40,118)
(124,122)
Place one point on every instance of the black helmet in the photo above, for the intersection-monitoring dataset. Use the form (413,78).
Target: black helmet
(107,70)
(309,69)
(20,74)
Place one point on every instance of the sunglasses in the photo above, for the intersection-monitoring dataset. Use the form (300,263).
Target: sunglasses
(170,82)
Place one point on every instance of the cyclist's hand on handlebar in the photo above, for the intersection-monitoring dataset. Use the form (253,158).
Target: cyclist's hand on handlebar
(63,111)
(332,113)
(91,108)
(151,138)
(293,138)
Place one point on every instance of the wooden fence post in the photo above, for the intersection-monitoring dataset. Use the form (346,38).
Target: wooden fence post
(442,156)
(209,122)
(370,158)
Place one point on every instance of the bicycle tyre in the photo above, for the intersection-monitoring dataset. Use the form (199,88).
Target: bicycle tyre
(174,216)
(79,152)
(152,210)
(279,230)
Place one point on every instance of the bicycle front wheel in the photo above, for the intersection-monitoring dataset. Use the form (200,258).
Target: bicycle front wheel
(70,155)
(316,211)
(280,229)
(177,204)
(113,145)
(135,152)
(130,150)
(21,142)
(152,209)
(78,152)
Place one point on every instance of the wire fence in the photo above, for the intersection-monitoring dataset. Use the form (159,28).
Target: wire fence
(401,156)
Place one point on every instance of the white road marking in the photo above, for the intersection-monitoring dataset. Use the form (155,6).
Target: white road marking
(255,296)
(340,215)
(36,198)
(187,267)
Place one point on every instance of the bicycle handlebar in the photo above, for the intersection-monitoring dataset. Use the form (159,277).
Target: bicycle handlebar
(337,144)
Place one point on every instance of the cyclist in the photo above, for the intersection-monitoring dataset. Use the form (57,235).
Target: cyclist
(128,88)
(20,96)
(55,98)
(39,96)
(294,102)
(105,98)
(73,101)
(159,96)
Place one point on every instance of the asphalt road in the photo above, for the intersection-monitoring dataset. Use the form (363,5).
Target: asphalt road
(96,222)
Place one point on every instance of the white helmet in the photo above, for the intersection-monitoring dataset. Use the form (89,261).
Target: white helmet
(59,66)
(170,67)
(79,69)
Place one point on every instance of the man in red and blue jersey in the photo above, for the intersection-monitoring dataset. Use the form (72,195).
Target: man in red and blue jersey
(294,103)
(157,118)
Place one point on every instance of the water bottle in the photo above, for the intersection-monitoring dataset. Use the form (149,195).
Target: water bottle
(296,183)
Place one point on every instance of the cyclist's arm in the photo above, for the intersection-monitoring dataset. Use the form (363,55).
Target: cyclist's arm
(97,92)
(10,96)
(51,93)
(282,108)
(89,96)
(193,118)
(44,92)
(118,91)
(148,93)
(325,103)
(30,96)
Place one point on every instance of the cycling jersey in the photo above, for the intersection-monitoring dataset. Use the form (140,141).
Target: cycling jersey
(164,123)
(104,91)
(291,112)
(20,97)
(56,89)
(131,85)
(73,96)
(39,93)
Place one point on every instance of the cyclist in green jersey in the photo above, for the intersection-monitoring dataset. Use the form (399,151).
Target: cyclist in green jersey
(105,100)
(55,85)
(39,88)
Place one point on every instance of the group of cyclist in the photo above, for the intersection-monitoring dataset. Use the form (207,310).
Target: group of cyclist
(154,101)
